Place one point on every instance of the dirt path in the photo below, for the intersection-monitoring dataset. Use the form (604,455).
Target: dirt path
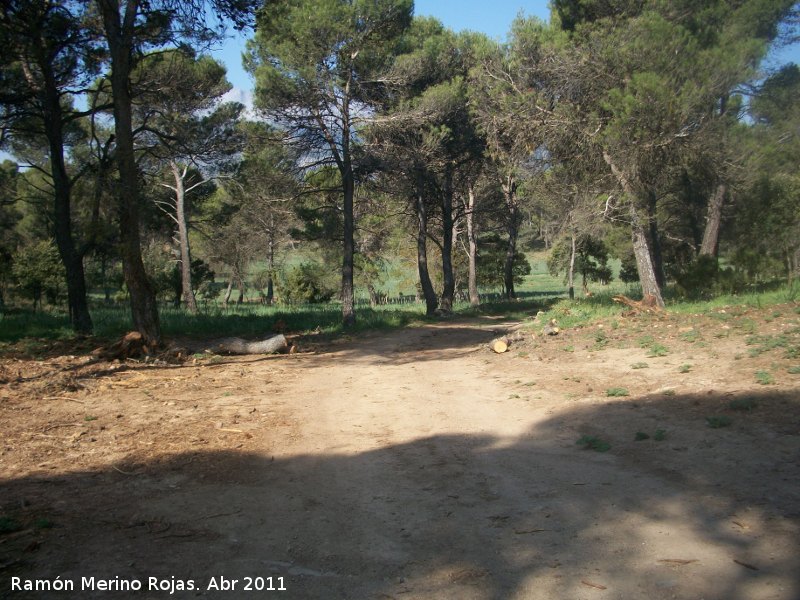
(411,465)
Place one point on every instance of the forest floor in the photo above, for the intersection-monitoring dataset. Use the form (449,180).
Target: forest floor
(417,464)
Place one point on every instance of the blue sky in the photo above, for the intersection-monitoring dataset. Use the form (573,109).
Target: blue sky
(492,17)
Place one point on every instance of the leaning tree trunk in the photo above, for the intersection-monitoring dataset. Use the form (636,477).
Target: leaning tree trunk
(510,195)
(641,247)
(144,309)
(710,245)
(472,239)
(448,279)
(422,255)
(183,240)
(644,261)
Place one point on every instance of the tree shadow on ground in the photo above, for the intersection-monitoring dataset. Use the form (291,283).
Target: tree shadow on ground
(711,513)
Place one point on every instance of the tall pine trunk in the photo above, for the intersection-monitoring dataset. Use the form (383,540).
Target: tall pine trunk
(119,35)
(655,240)
(348,292)
(472,240)
(639,231)
(422,254)
(571,273)
(448,279)
(512,226)
(271,264)
(79,316)
(710,245)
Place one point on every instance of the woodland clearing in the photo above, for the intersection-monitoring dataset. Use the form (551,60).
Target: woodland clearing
(648,456)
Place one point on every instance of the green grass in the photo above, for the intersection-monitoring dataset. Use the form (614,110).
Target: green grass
(640,365)
(658,350)
(684,368)
(793,370)
(690,336)
(540,291)
(617,392)
(743,404)
(764,378)
(718,422)
(9,525)
(591,442)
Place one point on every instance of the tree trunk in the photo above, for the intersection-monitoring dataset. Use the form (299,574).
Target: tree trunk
(242,291)
(183,240)
(474,298)
(641,248)
(422,254)
(571,274)
(448,280)
(271,263)
(348,293)
(710,245)
(655,241)
(228,292)
(62,196)
(144,309)
(512,225)
(644,262)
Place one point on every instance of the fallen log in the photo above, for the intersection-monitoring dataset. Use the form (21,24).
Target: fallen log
(235,345)
(499,345)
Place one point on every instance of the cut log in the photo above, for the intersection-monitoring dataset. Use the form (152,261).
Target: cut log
(499,345)
(234,345)
(551,328)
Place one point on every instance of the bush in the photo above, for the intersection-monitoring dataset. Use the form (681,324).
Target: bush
(306,284)
(38,270)
(703,278)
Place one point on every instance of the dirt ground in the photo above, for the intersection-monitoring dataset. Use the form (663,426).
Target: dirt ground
(417,464)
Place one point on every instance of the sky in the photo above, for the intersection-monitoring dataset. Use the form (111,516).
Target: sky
(492,17)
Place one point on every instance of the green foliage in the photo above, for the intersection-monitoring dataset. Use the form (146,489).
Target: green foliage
(640,436)
(764,378)
(38,270)
(660,435)
(658,350)
(617,391)
(491,263)
(703,278)
(591,259)
(591,442)
(9,525)
(743,404)
(306,283)
(719,422)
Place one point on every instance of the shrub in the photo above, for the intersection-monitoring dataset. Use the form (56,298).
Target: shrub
(306,284)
